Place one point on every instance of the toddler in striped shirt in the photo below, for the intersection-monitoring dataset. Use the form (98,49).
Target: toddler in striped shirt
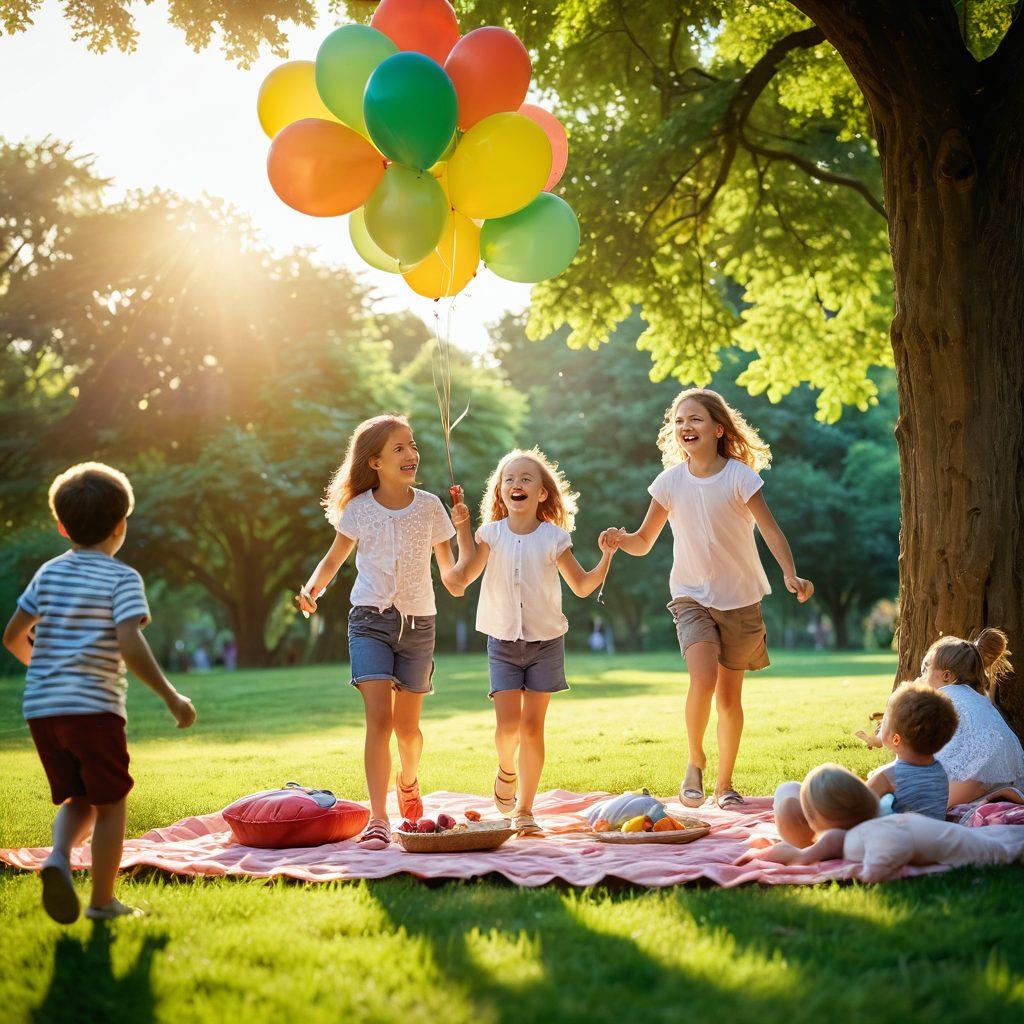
(87,611)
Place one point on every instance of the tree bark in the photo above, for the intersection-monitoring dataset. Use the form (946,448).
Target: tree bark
(952,155)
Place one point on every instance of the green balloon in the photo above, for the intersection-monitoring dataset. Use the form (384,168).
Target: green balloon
(533,244)
(410,109)
(406,214)
(368,249)
(344,63)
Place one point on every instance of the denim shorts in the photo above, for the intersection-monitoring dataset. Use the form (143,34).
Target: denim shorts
(383,646)
(534,665)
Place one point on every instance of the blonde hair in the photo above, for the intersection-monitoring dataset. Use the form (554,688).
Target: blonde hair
(979,663)
(559,507)
(355,474)
(739,439)
(833,794)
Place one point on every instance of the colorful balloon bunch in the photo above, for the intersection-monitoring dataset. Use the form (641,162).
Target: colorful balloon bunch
(424,137)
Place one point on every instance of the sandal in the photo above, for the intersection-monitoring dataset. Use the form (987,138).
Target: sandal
(526,824)
(410,806)
(376,835)
(692,796)
(505,804)
(729,798)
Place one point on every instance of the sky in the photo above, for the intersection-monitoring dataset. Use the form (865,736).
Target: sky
(165,116)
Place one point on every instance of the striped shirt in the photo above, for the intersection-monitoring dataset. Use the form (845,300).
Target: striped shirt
(76,666)
(923,788)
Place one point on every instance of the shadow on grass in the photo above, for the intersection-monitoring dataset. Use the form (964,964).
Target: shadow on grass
(84,987)
(530,955)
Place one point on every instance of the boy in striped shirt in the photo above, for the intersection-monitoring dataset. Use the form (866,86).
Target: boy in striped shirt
(87,610)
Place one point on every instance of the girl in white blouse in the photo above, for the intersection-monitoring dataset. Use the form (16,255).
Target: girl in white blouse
(524,542)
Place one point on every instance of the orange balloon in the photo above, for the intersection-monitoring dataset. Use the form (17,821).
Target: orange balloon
(323,168)
(426,26)
(556,136)
(490,69)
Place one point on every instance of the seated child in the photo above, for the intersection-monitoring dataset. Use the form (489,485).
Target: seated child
(918,722)
(842,812)
(87,610)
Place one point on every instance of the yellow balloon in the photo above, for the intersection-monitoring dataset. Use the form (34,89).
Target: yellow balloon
(289,94)
(499,166)
(451,266)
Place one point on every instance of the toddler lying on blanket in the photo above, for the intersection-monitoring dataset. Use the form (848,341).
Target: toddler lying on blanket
(842,813)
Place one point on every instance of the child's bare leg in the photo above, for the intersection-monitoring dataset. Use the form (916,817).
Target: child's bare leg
(728,701)
(377,698)
(74,819)
(508,716)
(702,664)
(789,816)
(406,718)
(107,843)
(531,750)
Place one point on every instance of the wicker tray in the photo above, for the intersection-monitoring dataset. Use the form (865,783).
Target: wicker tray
(480,835)
(693,828)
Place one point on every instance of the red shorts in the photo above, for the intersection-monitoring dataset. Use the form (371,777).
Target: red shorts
(84,755)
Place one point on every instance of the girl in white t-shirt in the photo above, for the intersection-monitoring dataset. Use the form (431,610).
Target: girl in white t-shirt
(710,494)
(527,516)
(394,527)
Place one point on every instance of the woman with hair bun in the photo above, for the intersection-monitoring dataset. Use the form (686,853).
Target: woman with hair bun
(984,753)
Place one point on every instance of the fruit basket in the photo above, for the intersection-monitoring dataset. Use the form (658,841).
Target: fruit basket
(692,829)
(477,835)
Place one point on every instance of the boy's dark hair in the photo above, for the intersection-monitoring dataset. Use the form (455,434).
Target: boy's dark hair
(89,500)
(925,718)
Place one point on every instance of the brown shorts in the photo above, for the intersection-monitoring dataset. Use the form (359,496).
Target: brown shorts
(84,755)
(738,632)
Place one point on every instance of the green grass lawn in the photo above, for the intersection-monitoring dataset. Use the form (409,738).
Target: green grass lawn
(936,949)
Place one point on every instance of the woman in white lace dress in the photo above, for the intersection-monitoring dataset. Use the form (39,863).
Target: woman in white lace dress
(984,752)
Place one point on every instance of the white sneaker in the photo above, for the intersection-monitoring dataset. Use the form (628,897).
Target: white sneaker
(60,900)
(115,908)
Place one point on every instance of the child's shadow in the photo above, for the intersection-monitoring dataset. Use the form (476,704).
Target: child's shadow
(84,987)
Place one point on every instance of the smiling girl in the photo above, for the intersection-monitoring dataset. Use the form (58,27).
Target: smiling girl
(394,527)
(524,543)
(710,494)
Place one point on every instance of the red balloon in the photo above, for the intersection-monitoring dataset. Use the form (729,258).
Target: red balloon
(556,136)
(323,168)
(426,26)
(490,69)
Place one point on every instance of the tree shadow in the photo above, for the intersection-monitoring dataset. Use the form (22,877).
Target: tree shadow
(84,987)
(522,955)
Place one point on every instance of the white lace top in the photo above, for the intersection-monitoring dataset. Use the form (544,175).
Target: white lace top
(394,549)
(983,748)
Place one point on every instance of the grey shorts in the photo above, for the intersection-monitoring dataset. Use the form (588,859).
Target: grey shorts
(534,665)
(382,646)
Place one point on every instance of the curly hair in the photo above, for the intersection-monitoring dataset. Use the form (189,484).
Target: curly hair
(923,717)
(355,475)
(979,663)
(559,507)
(739,439)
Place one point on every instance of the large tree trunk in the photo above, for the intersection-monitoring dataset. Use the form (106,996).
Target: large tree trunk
(949,137)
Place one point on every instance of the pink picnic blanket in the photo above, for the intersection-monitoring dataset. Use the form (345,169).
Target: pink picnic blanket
(203,846)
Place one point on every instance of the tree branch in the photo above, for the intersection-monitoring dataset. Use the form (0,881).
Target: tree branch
(813,170)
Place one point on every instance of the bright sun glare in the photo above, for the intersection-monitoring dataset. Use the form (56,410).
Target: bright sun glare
(165,116)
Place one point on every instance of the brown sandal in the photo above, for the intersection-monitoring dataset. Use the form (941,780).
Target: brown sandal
(505,804)
(376,835)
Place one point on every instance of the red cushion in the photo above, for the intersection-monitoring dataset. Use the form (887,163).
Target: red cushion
(281,818)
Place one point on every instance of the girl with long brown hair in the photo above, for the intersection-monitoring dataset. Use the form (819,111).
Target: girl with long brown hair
(710,494)
(524,543)
(393,527)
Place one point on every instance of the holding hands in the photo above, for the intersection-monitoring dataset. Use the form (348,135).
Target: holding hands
(611,539)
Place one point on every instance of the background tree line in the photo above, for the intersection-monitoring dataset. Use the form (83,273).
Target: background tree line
(161,335)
